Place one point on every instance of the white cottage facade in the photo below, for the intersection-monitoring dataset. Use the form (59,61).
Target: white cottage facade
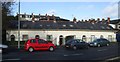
(61,36)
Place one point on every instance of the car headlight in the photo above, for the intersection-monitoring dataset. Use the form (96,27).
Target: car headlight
(95,43)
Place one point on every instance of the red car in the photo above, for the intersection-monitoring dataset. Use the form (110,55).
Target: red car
(38,44)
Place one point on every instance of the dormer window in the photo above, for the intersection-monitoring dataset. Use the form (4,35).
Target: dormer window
(71,25)
(91,27)
(48,25)
(40,25)
(64,25)
(102,27)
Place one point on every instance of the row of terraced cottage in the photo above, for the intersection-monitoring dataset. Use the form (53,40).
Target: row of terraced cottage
(59,30)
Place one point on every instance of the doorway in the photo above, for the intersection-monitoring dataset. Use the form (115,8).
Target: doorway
(60,40)
(68,38)
(12,37)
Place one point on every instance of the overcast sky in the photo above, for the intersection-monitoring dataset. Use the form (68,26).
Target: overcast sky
(68,10)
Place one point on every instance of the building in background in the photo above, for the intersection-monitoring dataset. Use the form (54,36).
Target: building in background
(116,26)
(59,30)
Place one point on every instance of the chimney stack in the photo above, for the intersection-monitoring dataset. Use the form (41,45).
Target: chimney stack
(82,20)
(85,20)
(89,20)
(39,17)
(93,21)
(98,19)
(103,20)
(33,16)
(46,15)
(78,20)
(108,20)
(74,20)
(25,15)
(53,17)
(48,18)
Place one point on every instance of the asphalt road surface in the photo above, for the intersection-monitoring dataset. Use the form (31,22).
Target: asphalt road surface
(93,53)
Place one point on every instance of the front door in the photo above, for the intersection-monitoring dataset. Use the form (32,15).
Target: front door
(60,40)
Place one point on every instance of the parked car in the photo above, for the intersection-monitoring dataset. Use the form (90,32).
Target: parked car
(3,48)
(38,44)
(76,44)
(100,42)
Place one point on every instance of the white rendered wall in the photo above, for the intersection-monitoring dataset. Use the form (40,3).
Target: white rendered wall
(56,34)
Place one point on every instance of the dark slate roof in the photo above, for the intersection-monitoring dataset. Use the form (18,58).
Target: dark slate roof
(59,25)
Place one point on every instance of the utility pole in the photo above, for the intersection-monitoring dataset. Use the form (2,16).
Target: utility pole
(19,25)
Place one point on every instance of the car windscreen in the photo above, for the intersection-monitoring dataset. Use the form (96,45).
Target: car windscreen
(97,40)
(41,41)
(33,41)
(69,41)
(105,40)
(79,40)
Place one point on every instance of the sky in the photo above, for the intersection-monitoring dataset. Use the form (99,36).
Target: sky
(69,10)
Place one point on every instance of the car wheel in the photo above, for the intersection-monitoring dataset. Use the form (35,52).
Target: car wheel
(51,49)
(108,44)
(74,47)
(31,49)
(98,45)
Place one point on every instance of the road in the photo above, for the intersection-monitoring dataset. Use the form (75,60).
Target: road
(93,53)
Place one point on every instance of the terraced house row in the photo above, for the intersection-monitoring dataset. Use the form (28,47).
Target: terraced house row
(59,30)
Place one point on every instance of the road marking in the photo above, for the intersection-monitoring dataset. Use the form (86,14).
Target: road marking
(65,55)
(73,54)
(113,58)
(101,50)
(11,59)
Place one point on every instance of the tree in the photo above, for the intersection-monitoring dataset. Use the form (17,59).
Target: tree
(6,12)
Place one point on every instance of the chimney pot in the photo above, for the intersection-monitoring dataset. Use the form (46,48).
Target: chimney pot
(98,19)
(52,14)
(39,14)
(32,13)
(78,20)
(74,20)
(46,15)
(39,17)
(82,20)
(33,17)
(85,20)
(103,20)
(48,18)
(108,20)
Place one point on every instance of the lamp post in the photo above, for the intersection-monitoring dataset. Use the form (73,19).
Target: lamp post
(19,25)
